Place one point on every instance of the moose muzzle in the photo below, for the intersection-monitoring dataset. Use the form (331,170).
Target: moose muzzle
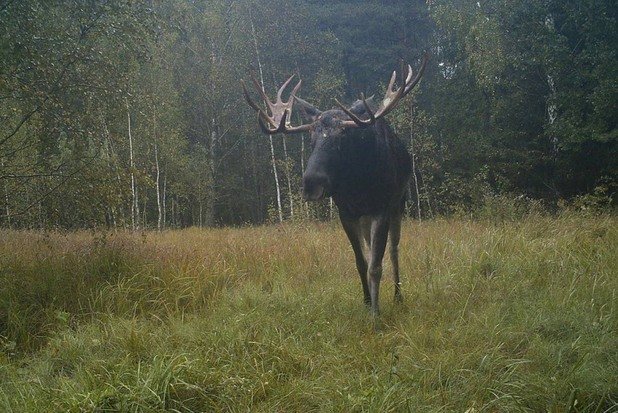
(315,186)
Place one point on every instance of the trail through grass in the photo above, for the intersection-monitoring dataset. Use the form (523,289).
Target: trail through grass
(515,316)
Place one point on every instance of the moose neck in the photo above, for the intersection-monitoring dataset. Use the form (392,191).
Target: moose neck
(365,182)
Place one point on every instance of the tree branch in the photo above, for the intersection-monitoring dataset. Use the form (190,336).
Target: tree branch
(46,194)
(84,32)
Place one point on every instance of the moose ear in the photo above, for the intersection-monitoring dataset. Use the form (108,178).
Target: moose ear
(358,107)
(307,110)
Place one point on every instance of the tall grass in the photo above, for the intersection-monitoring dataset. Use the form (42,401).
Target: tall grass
(517,316)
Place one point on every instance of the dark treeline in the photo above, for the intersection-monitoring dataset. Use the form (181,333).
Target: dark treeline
(130,113)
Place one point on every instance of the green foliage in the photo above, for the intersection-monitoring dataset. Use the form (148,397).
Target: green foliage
(498,316)
(530,91)
(519,99)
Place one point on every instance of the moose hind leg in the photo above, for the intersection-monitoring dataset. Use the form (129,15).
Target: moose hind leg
(379,237)
(395,235)
(353,230)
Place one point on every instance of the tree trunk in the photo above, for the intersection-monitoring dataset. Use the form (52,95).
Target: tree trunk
(429,209)
(552,114)
(259,217)
(158,180)
(134,203)
(6,200)
(164,200)
(288,174)
(277,187)
(413,155)
(144,217)
(270,137)
(302,169)
(41,215)
(178,218)
(113,164)
(173,212)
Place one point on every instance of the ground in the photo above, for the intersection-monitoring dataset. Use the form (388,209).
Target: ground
(497,316)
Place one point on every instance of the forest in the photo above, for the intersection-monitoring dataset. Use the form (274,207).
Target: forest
(129,114)
(156,253)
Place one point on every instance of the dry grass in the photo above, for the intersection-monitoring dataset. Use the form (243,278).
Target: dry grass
(517,316)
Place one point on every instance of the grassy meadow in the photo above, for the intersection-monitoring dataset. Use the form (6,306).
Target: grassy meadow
(497,317)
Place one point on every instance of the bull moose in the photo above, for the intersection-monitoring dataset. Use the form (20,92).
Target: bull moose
(360,162)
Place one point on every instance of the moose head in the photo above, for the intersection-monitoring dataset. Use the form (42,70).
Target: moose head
(330,130)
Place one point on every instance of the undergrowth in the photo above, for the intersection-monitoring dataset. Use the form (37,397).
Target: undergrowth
(498,316)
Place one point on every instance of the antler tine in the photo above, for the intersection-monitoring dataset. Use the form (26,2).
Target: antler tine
(418,76)
(403,75)
(263,120)
(282,127)
(410,73)
(290,103)
(276,120)
(293,94)
(372,117)
(358,121)
(250,101)
(282,88)
(254,105)
(391,97)
(260,90)
(391,84)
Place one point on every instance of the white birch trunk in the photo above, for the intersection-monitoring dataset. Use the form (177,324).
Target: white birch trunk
(270,137)
(256,184)
(552,113)
(164,200)
(113,164)
(134,203)
(428,199)
(158,183)
(288,174)
(302,170)
(414,175)
(274,162)
(213,120)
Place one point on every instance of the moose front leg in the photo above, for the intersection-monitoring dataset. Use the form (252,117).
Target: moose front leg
(379,237)
(353,230)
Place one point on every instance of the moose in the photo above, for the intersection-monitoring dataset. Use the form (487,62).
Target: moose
(360,162)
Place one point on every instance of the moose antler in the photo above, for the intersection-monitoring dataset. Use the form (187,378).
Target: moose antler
(391,97)
(280,112)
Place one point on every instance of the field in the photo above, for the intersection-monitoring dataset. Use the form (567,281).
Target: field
(497,317)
